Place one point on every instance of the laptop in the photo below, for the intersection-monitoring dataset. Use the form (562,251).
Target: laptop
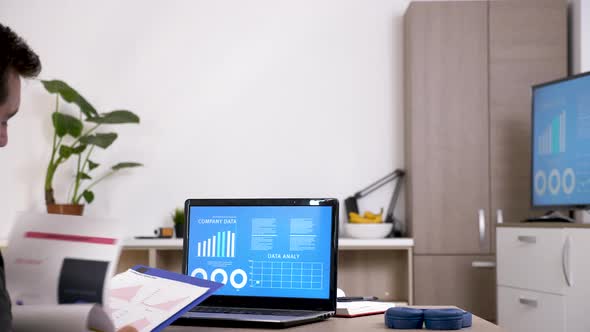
(277,259)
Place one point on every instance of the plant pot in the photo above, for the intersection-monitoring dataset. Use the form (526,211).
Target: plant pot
(179,230)
(71,209)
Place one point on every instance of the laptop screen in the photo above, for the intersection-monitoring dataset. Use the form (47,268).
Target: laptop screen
(262,251)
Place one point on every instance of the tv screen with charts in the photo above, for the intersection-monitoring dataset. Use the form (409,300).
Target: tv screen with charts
(561,143)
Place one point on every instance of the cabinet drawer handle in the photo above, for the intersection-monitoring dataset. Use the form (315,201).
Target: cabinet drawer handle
(527,239)
(528,301)
(483,265)
(565,262)
(481,218)
(499,216)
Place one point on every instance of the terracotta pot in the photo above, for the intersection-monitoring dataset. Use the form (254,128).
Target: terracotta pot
(71,209)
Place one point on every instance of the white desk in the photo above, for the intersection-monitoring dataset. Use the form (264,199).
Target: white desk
(389,260)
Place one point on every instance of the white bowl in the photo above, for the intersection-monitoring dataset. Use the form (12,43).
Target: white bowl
(367,231)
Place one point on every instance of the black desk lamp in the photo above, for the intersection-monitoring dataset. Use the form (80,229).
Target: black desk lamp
(352,205)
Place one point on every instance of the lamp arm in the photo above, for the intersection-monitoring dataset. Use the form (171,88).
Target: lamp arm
(351,205)
(379,183)
(394,197)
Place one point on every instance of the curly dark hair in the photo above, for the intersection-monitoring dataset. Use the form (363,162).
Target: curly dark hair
(15,54)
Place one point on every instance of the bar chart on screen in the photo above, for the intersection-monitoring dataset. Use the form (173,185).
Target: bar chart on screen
(220,244)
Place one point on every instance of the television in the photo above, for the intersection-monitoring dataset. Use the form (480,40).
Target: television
(560,175)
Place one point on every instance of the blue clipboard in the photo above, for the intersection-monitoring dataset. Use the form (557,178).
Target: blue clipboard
(212,285)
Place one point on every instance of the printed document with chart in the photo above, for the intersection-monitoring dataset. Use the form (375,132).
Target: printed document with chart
(59,273)
(150,299)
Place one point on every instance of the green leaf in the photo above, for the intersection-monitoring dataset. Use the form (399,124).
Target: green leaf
(88,196)
(178,216)
(79,149)
(100,140)
(70,95)
(115,117)
(66,124)
(65,151)
(127,164)
(84,176)
(92,165)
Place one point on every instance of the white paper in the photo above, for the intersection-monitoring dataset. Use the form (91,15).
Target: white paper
(37,249)
(52,259)
(144,301)
(360,307)
(72,317)
(40,248)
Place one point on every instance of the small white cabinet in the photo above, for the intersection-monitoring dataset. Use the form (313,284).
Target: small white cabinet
(543,277)
(522,310)
(532,258)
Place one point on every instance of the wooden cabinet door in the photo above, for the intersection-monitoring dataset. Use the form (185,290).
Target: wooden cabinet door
(453,280)
(447,156)
(528,45)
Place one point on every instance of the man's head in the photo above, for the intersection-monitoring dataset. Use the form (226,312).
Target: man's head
(16,60)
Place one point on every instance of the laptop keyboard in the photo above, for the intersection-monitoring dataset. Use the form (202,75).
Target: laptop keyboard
(249,311)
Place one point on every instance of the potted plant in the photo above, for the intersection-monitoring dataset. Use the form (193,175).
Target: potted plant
(73,140)
(178,219)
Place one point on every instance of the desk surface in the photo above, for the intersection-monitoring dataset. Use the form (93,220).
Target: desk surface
(365,324)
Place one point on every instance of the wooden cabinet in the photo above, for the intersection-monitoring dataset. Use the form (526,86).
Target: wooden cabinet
(528,45)
(454,280)
(469,68)
(448,161)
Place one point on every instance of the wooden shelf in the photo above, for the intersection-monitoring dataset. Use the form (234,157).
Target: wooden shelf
(343,244)
(161,244)
(375,244)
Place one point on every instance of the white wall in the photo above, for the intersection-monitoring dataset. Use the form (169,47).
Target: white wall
(237,99)
(580,35)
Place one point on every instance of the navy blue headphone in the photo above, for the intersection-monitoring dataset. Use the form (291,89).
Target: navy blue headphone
(434,319)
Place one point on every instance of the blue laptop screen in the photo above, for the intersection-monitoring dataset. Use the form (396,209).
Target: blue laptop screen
(268,251)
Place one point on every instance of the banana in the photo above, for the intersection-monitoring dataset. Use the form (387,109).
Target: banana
(355,218)
(371,215)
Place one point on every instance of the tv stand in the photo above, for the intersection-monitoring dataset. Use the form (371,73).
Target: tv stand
(551,216)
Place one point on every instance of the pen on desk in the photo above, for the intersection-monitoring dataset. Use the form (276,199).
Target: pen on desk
(356,298)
